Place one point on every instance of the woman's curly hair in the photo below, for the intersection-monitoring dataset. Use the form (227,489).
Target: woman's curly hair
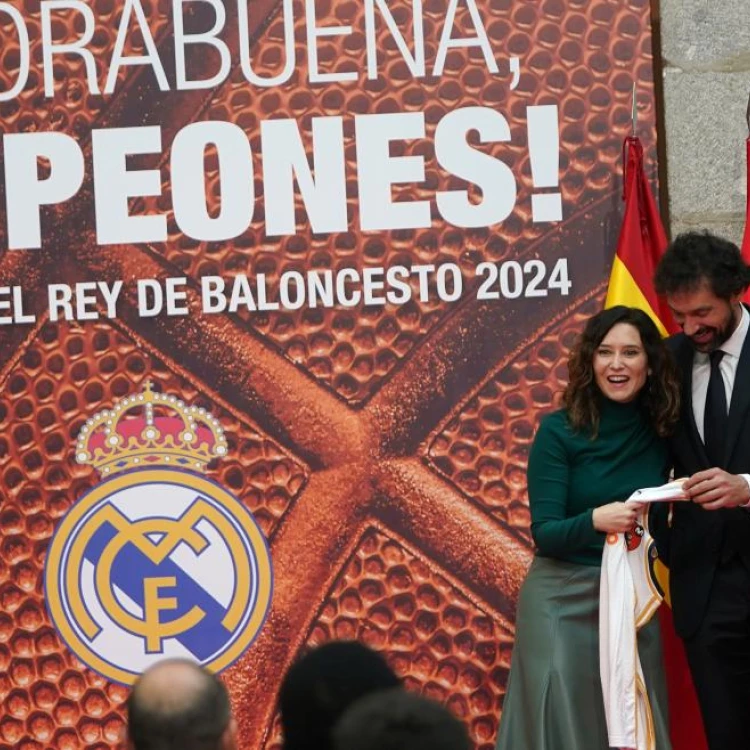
(660,398)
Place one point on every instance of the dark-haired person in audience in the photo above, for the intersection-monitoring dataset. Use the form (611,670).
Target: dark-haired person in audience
(397,720)
(608,440)
(322,684)
(177,705)
(706,542)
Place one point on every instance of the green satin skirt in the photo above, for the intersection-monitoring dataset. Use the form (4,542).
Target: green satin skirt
(554,695)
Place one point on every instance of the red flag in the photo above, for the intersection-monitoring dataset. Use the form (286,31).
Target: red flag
(685,723)
(746,236)
(641,243)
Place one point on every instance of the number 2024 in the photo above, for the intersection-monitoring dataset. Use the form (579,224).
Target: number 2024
(527,280)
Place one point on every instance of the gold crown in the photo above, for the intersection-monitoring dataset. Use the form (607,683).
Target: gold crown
(150,429)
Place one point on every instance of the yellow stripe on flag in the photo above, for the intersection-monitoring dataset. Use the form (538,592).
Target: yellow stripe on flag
(623,290)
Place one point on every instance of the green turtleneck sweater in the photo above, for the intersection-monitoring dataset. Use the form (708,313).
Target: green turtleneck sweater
(570,474)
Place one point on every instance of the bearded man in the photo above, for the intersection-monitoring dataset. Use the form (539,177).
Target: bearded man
(706,542)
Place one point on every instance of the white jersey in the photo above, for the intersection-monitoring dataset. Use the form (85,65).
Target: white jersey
(628,597)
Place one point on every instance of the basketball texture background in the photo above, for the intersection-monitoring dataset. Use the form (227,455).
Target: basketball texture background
(382,449)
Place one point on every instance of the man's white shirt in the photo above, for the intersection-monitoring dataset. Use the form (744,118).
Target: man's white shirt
(732,349)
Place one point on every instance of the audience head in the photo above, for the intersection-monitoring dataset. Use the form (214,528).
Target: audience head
(397,720)
(703,278)
(322,684)
(178,705)
(621,356)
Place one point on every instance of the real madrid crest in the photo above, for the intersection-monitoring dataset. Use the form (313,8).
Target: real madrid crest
(157,560)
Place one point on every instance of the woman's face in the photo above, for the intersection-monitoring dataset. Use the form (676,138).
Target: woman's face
(620,363)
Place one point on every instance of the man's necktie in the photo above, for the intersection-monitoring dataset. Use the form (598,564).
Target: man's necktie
(715,416)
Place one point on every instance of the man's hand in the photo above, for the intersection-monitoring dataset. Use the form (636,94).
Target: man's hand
(715,488)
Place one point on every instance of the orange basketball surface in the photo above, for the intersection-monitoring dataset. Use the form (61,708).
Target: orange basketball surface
(382,450)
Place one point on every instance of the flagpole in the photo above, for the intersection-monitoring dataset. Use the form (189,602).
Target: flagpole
(745,248)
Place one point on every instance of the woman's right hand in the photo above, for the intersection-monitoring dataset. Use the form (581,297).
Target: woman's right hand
(616,517)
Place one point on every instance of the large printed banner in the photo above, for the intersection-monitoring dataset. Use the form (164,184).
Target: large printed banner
(285,287)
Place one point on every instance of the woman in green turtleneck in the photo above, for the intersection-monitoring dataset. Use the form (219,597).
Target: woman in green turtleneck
(608,441)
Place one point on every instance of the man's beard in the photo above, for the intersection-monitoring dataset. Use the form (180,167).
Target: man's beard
(721,334)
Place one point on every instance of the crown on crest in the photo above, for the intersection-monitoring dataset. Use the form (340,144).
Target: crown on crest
(147,430)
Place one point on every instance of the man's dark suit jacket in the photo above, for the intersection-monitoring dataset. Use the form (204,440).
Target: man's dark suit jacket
(697,540)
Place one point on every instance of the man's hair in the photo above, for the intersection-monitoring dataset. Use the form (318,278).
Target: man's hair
(396,720)
(660,398)
(322,684)
(696,257)
(191,716)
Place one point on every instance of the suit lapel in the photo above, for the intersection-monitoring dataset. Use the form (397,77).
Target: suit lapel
(740,400)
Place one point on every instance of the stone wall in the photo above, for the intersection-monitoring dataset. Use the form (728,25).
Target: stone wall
(705,54)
